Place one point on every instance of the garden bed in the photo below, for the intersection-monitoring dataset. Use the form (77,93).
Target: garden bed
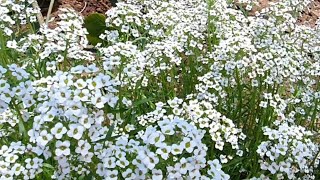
(156,89)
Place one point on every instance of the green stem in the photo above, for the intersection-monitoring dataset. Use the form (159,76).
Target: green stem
(22,129)
(313,116)
(4,59)
(65,65)
(239,89)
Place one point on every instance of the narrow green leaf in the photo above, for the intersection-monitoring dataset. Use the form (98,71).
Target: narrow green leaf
(22,129)
(235,161)
(142,101)
(109,134)
(48,165)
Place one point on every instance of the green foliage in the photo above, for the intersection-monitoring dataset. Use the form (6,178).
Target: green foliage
(95,24)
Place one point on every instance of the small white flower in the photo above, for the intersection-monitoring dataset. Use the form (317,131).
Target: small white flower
(11,158)
(83,147)
(164,152)
(62,148)
(44,137)
(80,84)
(157,174)
(75,131)
(128,174)
(176,149)
(58,130)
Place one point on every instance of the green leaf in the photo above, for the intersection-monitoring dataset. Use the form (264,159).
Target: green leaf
(142,101)
(93,39)
(95,24)
(109,134)
(49,166)
(235,161)
(22,129)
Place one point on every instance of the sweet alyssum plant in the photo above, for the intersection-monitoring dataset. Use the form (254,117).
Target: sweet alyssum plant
(176,89)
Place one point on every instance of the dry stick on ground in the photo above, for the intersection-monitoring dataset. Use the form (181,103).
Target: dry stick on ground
(49,11)
(84,7)
(35,5)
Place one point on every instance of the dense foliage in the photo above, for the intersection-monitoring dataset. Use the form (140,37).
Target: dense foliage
(173,89)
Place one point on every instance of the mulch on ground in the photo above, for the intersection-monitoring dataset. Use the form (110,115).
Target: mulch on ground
(85,7)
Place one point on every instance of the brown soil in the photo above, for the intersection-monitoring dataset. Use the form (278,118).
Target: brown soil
(85,7)
(309,16)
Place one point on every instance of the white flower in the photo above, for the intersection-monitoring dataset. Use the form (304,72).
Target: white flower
(12,44)
(75,131)
(11,158)
(156,138)
(164,152)
(176,149)
(273,168)
(128,174)
(86,121)
(62,148)
(223,159)
(44,137)
(109,162)
(285,167)
(17,169)
(51,66)
(167,129)
(99,100)
(80,84)
(83,147)
(188,144)
(184,166)
(34,163)
(58,130)
(112,175)
(95,83)
(122,162)
(157,174)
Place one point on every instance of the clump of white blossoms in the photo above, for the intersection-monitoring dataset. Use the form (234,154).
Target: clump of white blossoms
(19,160)
(289,152)
(172,149)
(224,134)
(176,89)
(16,13)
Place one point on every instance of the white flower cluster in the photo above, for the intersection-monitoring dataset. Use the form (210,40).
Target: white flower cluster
(16,13)
(12,94)
(58,46)
(18,160)
(170,28)
(172,149)
(289,152)
(267,57)
(175,89)
(221,129)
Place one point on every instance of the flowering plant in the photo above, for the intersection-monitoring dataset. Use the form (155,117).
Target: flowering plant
(174,89)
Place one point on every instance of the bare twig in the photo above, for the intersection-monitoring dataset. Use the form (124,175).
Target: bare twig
(49,11)
(39,15)
(84,7)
